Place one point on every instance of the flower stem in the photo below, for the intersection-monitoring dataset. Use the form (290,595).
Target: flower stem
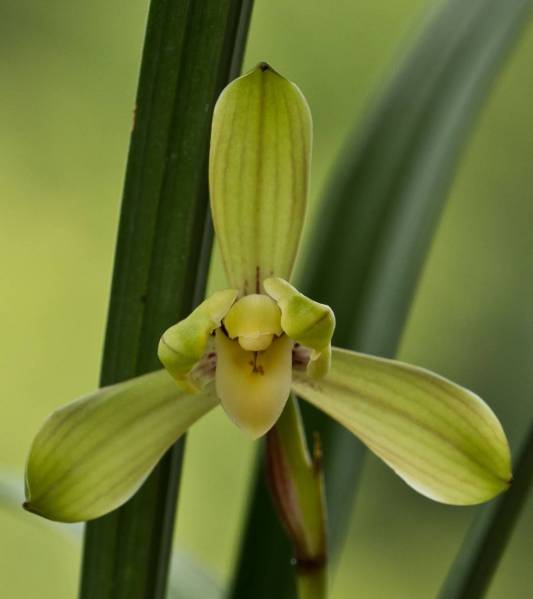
(296,485)
(312,584)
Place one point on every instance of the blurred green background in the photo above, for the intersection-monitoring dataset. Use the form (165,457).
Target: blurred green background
(68,75)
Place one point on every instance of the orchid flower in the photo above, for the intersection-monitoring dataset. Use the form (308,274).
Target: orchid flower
(248,347)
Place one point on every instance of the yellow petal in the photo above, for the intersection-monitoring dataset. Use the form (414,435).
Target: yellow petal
(253,387)
(254,320)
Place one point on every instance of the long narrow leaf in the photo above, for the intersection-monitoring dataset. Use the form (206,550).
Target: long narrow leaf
(191,50)
(379,214)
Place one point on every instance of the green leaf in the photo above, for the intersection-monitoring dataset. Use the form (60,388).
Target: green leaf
(191,50)
(387,192)
(258,176)
(378,216)
(486,540)
(442,439)
(91,455)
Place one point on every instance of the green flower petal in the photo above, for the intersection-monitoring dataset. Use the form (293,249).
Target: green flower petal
(258,175)
(306,321)
(91,455)
(440,438)
(183,344)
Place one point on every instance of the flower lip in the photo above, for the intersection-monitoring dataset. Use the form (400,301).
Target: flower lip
(253,387)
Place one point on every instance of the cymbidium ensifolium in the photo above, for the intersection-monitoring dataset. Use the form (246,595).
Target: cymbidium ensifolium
(247,347)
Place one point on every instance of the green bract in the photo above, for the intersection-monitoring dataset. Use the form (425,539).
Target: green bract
(249,346)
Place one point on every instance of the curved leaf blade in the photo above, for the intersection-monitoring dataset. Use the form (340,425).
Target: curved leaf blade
(379,212)
(384,199)
(386,194)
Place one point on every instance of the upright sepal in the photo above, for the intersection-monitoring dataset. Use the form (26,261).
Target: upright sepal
(92,454)
(183,344)
(442,439)
(306,321)
(258,176)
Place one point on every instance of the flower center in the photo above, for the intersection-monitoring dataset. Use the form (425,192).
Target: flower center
(254,320)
